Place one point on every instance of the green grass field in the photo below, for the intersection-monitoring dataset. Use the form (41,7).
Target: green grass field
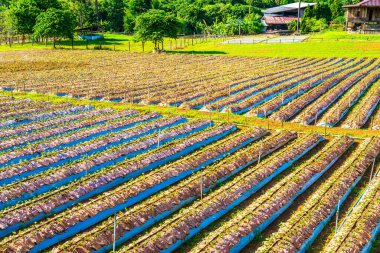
(327,44)
(304,49)
(117,42)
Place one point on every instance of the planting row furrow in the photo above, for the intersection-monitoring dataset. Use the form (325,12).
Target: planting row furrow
(67,139)
(240,99)
(214,89)
(202,91)
(146,185)
(276,103)
(264,82)
(78,218)
(280,85)
(190,220)
(27,128)
(321,104)
(57,112)
(33,110)
(94,117)
(245,223)
(303,227)
(22,105)
(361,227)
(364,109)
(159,206)
(336,112)
(376,121)
(252,102)
(298,104)
(40,183)
(84,115)
(188,91)
(6,101)
(48,160)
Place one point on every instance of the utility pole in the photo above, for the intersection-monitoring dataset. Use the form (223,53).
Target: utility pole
(298,16)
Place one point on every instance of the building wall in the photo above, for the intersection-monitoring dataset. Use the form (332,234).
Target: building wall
(362,15)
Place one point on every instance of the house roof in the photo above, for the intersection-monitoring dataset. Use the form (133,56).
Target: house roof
(365,3)
(287,7)
(278,20)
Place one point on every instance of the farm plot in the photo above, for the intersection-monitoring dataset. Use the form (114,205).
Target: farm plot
(306,223)
(321,91)
(99,179)
(361,227)
(81,179)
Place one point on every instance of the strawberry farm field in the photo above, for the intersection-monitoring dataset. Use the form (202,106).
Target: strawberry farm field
(123,152)
(340,92)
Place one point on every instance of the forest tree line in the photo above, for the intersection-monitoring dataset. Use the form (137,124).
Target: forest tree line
(226,17)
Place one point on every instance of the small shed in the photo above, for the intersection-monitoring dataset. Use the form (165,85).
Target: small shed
(277,23)
(277,18)
(363,17)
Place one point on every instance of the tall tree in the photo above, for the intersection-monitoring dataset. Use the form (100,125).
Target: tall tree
(154,25)
(23,14)
(336,9)
(114,10)
(249,3)
(55,23)
(139,6)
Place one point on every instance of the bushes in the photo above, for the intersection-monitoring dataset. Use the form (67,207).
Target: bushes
(313,25)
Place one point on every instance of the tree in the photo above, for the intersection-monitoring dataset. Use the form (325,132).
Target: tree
(114,10)
(23,14)
(249,3)
(43,5)
(292,25)
(139,6)
(129,21)
(55,23)
(84,11)
(4,3)
(154,25)
(322,10)
(336,9)
(313,25)
(190,15)
(5,22)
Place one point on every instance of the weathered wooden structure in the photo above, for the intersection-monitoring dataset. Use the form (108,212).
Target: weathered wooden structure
(363,17)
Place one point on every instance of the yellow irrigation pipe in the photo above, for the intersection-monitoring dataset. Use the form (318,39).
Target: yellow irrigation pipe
(215,116)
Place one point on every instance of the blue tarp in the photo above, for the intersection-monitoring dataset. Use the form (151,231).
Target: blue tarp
(347,110)
(305,246)
(91,37)
(243,197)
(244,241)
(109,212)
(72,159)
(367,248)
(55,185)
(111,184)
(73,143)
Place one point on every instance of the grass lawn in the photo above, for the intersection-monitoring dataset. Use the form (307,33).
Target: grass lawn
(327,44)
(339,35)
(304,49)
(117,42)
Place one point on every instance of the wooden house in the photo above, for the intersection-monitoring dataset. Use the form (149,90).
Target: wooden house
(363,17)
